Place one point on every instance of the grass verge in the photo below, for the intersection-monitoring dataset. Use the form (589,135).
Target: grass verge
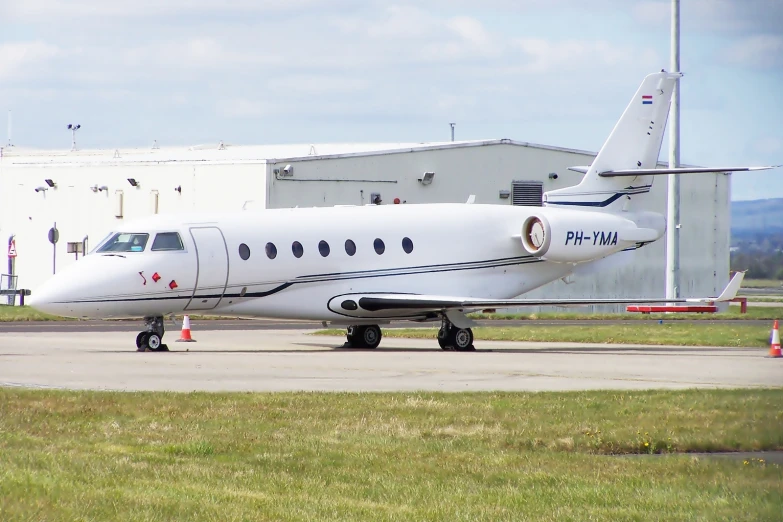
(26,313)
(762,283)
(756,313)
(679,334)
(412,456)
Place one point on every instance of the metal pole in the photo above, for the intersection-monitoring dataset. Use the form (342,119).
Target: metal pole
(452,130)
(673,203)
(54,252)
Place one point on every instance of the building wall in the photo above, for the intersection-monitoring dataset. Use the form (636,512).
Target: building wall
(225,185)
(485,170)
(79,212)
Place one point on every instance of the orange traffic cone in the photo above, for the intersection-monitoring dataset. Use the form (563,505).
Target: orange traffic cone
(185,335)
(774,348)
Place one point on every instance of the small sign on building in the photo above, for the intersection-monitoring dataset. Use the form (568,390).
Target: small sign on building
(12,249)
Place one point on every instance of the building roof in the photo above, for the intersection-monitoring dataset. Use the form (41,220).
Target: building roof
(227,153)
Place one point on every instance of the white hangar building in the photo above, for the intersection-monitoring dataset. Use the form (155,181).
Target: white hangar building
(88,193)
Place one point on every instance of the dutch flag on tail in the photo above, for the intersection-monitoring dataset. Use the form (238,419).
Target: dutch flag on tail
(646,100)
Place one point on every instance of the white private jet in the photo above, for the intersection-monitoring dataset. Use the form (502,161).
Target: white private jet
(362,266)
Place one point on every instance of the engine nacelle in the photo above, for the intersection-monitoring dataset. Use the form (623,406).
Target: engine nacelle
(572,236)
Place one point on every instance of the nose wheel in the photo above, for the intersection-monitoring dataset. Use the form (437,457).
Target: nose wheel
(151,339)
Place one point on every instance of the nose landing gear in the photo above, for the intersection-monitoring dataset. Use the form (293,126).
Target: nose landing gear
(151,338)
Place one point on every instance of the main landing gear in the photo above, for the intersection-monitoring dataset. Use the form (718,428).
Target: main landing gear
(363,336)
(151,338)
(452,338)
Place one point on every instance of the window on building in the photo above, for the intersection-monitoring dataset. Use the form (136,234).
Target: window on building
(167,241)
(323,248)
(379,246)
(271,250)
(297,249)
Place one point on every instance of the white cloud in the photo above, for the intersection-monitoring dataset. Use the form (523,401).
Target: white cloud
(470,30)
(244,108)
(764,51)
(58,9)
(568,55)
(19,60)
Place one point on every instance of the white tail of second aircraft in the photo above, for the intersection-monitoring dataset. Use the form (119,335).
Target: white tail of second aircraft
(635,143)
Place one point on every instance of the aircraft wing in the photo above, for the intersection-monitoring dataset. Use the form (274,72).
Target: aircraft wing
(381,302)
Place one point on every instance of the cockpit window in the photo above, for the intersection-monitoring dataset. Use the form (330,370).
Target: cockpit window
(167,241)
(100,243)
(125,242)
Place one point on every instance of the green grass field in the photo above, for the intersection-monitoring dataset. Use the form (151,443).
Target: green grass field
(762,283)
(402,456)
(736,335)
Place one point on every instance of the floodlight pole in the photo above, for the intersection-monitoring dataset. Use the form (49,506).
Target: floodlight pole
(673,202)
(73,128)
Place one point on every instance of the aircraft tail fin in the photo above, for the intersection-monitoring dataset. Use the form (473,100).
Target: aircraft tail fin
(634,143)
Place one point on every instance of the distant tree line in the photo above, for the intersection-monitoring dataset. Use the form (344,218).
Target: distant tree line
(760,253)
(758,265)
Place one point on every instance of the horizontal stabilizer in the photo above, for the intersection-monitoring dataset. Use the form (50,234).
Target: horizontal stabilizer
(679,170)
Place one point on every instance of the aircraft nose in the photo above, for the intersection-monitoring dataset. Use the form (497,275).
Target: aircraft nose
(61,293)
(51,298)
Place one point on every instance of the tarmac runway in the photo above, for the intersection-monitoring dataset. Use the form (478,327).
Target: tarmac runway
(293,359)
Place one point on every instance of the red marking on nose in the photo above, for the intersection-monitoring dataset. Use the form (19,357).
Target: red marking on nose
(156,277)
(173,284)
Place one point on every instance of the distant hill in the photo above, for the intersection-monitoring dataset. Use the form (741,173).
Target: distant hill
(760,216)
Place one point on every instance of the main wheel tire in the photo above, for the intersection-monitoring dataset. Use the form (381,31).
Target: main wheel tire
(371,336)
(141,342)
(153,342)
(443,339)
(461,339)
(352,340)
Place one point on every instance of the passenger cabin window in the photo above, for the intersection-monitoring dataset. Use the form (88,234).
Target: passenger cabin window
(271,250)
(379,246)
(323,248)
(167,241)
(297,249)
(350,247)
(125,242)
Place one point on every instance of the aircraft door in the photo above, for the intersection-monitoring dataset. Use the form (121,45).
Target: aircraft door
(211,268)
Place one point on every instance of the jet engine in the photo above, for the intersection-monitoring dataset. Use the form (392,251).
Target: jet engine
(572,236)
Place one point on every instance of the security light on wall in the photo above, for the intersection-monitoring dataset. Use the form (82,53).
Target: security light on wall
(50,183)
(41,189)
(426,179)
(553,175)
(133,182)
(96,188)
